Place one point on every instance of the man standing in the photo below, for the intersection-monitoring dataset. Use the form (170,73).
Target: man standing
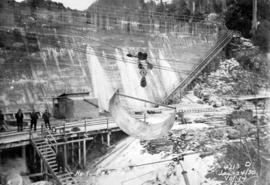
(34,118)
(46,117)
(60,160)
(19,118)
(2,122)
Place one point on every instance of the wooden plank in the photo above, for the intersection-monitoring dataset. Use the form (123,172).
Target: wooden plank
(72,141)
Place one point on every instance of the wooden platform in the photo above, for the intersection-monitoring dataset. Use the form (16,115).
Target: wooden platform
(75,129)
(87,128)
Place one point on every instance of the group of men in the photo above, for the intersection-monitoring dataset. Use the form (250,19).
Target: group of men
(20,119)
(34,118)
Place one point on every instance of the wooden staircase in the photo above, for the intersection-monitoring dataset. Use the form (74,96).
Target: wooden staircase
(222,42)
(47,153)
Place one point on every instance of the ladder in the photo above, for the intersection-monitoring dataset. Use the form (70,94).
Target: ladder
(222,42)
(45,149)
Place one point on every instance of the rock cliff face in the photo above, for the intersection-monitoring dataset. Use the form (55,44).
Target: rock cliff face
(44,53)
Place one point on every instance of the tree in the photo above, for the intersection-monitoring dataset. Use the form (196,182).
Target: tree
(244,15)
(254,17)
(238,17)
(160,7)
(143,5)
(262,35)
(181,8)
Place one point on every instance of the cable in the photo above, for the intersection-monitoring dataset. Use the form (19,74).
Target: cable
(175,159)
(131,179)
(108,14)
(116,8)
(127,61)
(94,27)
(117,59)
(19,12)
(136,12)
(167,68)
(107,44)
(157,66)
(167,59)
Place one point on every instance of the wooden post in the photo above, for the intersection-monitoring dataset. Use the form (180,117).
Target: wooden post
(65,153)
(165,26)
(35,156)
(84,153)
(72,153)
(64,129)
(23,152)
(107,22)
(109,138)
(46,172)
(24,155)
(0,158)
(79,152)
(102,139)
(92,18)
(193,7)
(96,20)
(41,165)
(85,127)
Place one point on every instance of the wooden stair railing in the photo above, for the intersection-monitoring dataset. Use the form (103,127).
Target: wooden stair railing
(45,147)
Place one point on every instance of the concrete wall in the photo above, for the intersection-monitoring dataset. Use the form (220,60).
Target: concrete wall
(36,67)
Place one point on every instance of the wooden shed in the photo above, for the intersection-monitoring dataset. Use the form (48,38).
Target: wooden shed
(75,106)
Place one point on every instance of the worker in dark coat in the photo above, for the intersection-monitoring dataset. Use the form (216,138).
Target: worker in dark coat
(19,118)
(34,118)
(2,122)
(46,117)
(60,159)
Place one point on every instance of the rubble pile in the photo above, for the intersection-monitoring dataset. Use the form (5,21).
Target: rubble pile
(240,47)
(202,141)
(197,140)
(230,79)
(221,82)
(158,145)
(242,74)
(187,140)
(165,177)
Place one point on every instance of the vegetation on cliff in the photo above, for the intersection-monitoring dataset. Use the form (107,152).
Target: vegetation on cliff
(239,16)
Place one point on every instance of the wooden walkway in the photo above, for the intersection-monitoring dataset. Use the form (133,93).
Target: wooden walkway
(89,127)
